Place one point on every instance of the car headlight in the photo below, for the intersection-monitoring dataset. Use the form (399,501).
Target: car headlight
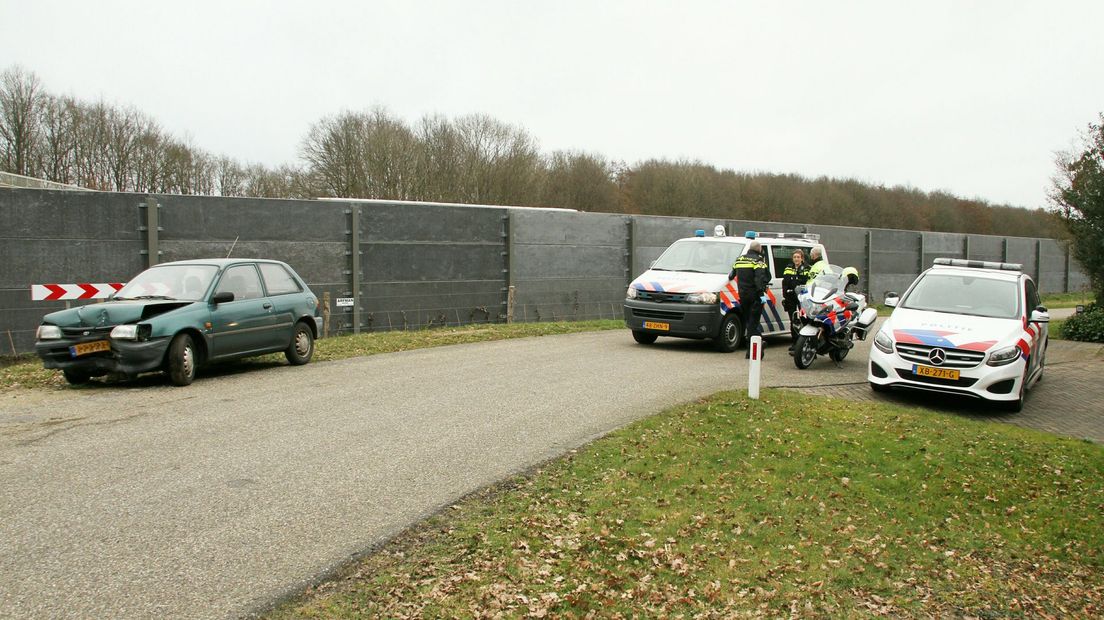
(48,332)
(883,342)
(131,332)
(1003,357)
(701,298)
(631,293)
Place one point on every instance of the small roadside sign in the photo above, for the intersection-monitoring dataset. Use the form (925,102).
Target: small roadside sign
(344,302)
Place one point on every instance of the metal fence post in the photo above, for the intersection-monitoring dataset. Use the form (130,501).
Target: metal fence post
(966,247)
(1039,264)
(354,263)
(151,227)
(869,261)
(630,250)
(920,262)
(509,290)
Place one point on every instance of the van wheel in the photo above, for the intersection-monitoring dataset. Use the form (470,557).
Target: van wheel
(732,334)
(643,337)
(301,349)
(805,351)
(182,360)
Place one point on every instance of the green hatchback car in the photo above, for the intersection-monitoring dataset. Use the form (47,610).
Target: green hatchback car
(178,316)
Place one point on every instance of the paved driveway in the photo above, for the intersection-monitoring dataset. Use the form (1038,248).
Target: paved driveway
(214,500)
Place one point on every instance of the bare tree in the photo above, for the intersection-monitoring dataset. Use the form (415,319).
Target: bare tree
(21,103)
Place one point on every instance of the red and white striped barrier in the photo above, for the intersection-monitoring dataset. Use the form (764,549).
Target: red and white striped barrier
(65,292)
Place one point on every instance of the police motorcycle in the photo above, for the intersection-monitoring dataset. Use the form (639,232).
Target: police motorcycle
(830,317)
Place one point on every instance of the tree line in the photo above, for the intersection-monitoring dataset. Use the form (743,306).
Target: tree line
(469,159)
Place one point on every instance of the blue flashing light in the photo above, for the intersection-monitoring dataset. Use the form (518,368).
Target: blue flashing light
(751,234)
(699,233)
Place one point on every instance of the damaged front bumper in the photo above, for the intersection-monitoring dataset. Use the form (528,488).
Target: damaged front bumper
(128,357)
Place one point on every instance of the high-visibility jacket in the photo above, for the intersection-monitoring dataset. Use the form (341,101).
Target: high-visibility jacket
(751,274)
(815,270)
(792,277)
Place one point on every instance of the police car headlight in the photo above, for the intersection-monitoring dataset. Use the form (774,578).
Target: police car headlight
(701,298)
(631,293)
(48,332)
(883,342)
(1003,357)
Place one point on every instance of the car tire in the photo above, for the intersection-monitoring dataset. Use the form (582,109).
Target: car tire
(805,351)
(76,377)
(731,336)
(301,349)
(182,360)
(1016,406)
(643,337)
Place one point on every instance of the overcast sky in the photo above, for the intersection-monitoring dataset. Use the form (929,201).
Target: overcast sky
(968,97)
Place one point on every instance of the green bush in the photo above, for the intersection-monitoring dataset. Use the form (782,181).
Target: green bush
(1087,326)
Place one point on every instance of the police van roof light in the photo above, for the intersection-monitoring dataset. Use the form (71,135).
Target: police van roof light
(751,234)
(699,233)
(978,264)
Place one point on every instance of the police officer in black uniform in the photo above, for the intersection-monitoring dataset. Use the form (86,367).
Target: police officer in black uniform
(795,274)
(752,279)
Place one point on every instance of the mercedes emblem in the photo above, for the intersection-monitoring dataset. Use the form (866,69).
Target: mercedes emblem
(937,356)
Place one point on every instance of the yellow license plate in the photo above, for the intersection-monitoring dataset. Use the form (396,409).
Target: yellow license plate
(938,373)
(85,348)
(663,327)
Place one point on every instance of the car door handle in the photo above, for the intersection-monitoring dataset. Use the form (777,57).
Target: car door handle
(266,306)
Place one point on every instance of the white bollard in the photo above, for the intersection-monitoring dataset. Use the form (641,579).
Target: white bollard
(755,357)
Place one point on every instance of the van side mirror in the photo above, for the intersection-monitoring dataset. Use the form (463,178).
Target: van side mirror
(223,297)
(892,299)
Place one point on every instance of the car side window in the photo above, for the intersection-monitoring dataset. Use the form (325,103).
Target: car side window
(782,255)
(1032,295)
(277,279)
(242,281)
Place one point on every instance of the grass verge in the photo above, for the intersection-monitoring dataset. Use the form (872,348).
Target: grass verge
(790,505)
(26,371)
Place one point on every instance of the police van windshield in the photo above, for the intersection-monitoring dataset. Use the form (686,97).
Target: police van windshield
(961,294)
(700,256)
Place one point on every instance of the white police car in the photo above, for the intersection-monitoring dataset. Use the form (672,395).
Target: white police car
(974,328)
(687,294)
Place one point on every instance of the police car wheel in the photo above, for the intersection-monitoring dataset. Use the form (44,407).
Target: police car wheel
(644,337)
(1016,406)
(731,336)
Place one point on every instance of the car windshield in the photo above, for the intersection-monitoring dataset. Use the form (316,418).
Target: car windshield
(964,294)
(183,282)
(700,255)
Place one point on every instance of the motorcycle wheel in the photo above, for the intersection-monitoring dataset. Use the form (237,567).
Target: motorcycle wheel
(805,351)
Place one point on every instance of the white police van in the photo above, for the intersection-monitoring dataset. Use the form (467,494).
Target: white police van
(687,294)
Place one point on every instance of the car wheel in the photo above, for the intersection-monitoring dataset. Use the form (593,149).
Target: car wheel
(301,349)
(1016,406)
(837,355)
(732,334)
(75,377)
(805,351)
(182,360)
(644,337)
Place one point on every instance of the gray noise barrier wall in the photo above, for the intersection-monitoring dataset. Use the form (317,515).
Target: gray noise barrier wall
(416,265)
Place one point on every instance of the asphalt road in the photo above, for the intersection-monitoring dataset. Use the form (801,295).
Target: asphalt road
(214,500)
